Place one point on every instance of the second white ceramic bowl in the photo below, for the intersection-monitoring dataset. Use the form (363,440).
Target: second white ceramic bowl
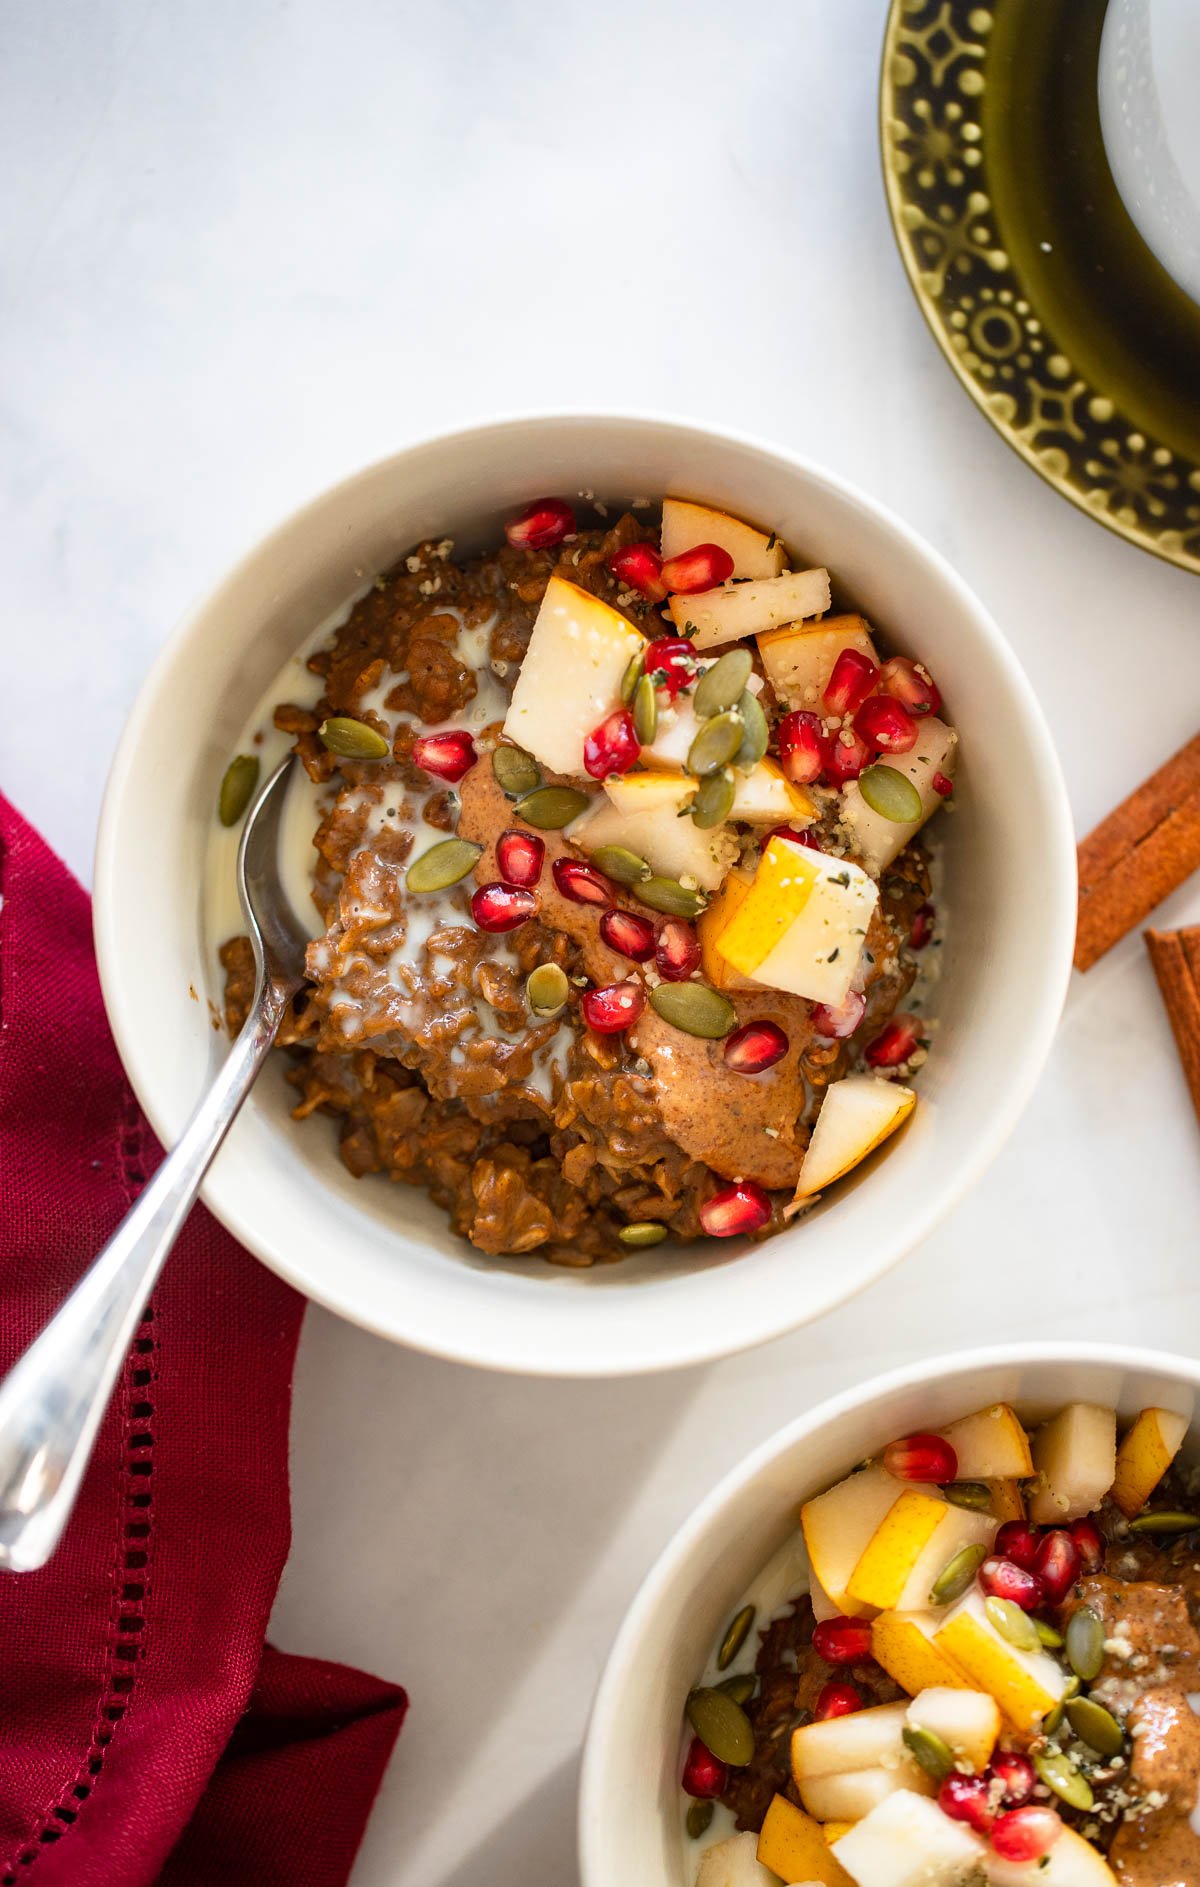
(384,1255)
(630,1821)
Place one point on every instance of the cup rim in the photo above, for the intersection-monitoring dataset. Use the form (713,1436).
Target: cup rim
(764,1323)
(594,1801)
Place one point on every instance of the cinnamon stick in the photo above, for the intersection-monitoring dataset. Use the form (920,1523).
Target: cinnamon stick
(1175,955)
(1139,855)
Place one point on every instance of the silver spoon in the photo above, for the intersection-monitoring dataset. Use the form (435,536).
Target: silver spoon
(53,1399)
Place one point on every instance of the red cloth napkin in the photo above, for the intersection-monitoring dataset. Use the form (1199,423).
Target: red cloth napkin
(146,1734)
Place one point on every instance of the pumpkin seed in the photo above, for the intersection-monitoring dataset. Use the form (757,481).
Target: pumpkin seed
(643,1233)
(550,808)
(1053,1719)
(621,865)
(757,737)
(715,745)
(237,788)
(1048,1635)
(645,711)
(353,740)
(547,989)
(721,685)
(1012,1623)
(442,865)
(1097,1726)
(699,1816)
(713,802)
(957,1575)
(634,671)
(1085,1643)
(694,1008)
(930,1750)
(1164,1522)
(1062,1778)
(974,1495)
(722,1726)
(671,898)
(516,771)
(889,794)
(741,1688)
(735,1637)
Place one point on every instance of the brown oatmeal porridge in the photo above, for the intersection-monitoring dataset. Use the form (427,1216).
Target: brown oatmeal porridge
(620,893)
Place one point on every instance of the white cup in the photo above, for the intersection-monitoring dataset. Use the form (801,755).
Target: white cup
(1149,71)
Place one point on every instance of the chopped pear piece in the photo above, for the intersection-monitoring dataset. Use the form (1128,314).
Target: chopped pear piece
(712,921)
(960,1528)
(903,1643)
(570,678)
(878,840)
(991,1445)
(734,1863)
(897,1545)
(822,1605)
(834,1830)
(850,1796)
(803,925)
(642,813)
(1025,1684)
(754,553)
(735,610)
(857,1113)
(675,730)
(1071,1862)
(1144,1457)
(800,659)
(1008,1502)
(793,1846)
(906,1841)
(1075,1460)
(968,1721)
(763,797)
(835,1745)
(838,1523)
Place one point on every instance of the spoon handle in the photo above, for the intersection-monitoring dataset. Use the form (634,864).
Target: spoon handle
(53,1399)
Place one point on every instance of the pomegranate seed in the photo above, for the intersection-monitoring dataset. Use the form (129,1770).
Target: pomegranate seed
(885,725)
(520,856)
(942,785)
(967,1798)
(448,756)
(801,747)
(677,952)
(615,1007)
(921,1458)
(583,884)
(850,683)
(794,835)
(613,747)
(502,907)
(1090,1542)
(836,1700)
(1058,1564)
(842,1640)
(628,934)
(837,1023)
(639,567)
(546,521)
(699,569)
(1018,1541)
(754,1047)
(895,1043)
(843,756)
(1005,1580)
(703,1776)
(735,1210)
(1025,1834)
(671,662)
(910,684)
(1016,1774)
(922,927)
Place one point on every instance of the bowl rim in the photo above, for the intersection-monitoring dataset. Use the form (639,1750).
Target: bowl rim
(1040,1017)
(594,1799)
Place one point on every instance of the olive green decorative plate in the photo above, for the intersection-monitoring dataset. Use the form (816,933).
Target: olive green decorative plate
(1060,323)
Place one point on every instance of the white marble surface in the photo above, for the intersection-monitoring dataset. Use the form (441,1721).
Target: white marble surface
(250,244)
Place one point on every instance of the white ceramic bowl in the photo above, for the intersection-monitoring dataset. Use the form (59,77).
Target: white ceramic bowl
(384,1255)
(630,1825)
